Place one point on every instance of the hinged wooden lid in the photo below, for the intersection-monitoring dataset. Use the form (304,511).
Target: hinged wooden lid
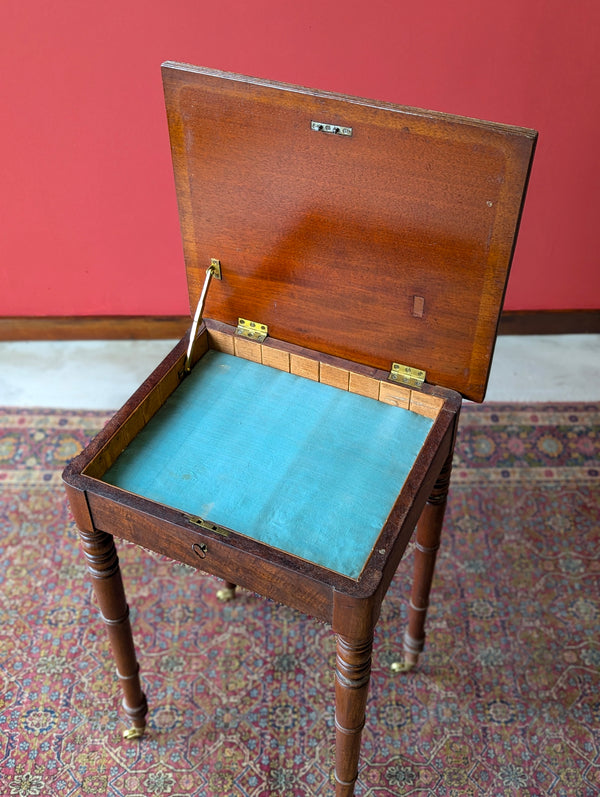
(360,229)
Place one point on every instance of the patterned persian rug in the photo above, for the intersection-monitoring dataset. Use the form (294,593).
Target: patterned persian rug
(506,700)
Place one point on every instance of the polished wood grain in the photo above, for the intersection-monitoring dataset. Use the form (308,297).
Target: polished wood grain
(390,245)
(427,545)
(103,567)
(352,677)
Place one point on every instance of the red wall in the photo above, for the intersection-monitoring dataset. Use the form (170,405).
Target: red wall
(88,220)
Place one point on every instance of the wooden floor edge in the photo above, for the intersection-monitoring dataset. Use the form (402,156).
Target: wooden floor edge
(549,322)
(512,322)
(93,327)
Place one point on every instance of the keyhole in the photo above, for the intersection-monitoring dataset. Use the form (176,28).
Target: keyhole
(200,549)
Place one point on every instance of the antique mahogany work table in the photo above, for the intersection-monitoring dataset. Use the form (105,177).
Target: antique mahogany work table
(346,262)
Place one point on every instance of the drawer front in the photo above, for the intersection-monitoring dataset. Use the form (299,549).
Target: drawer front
(212,553)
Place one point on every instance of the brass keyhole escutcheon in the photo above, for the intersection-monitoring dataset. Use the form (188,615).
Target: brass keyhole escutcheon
(200,549)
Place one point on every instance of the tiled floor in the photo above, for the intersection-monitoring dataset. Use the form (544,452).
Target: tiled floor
(103,374)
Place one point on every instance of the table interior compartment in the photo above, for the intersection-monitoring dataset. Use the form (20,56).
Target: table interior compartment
(298,464)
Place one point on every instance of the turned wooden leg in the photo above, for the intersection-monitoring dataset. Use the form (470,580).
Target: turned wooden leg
(429,529)
(226,593)
(352,675)
(103,566)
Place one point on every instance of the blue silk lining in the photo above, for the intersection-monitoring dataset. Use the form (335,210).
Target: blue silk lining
(301,466)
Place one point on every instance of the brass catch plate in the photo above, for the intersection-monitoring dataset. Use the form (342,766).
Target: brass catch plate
(252,330)
(215,266)
(209,525)
(405,375)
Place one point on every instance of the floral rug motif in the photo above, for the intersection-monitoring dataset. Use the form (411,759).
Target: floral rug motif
(506,699)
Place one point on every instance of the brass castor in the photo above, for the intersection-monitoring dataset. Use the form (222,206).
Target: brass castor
(226,593)
(402,666)
(133,733)
(409,663)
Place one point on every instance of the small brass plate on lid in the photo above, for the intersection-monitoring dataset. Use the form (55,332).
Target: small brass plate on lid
(337,130)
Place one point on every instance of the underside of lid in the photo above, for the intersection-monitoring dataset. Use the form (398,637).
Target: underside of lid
(364,230)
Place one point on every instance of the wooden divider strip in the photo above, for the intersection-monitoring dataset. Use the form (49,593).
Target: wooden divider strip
(386,392)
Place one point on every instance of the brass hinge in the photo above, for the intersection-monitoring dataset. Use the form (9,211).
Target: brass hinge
(252,330)
(413,377)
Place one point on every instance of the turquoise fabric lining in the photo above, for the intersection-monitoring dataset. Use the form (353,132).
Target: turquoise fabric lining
(301,466)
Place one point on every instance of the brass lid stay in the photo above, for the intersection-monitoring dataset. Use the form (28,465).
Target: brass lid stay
(214,270)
